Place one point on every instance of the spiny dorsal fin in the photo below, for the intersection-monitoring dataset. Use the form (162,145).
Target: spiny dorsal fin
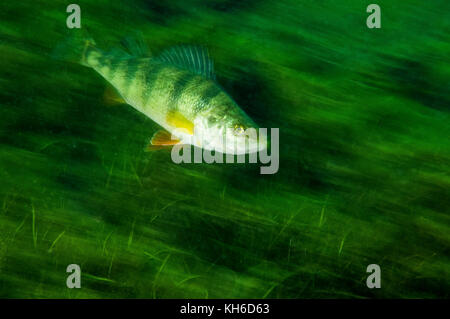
(136,45)
(193,58)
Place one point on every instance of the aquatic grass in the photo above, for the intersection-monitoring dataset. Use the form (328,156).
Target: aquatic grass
(50,250)
(98,278)
(33,225)
(110,265)
(187,279)
(19,227)
(152,256)
(267,293)
(105,241)
(130,237)
(362,116)
(155,281)
(341,245)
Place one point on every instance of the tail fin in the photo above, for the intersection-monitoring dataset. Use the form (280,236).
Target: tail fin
(75,48)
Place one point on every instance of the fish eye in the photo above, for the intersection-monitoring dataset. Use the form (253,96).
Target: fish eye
(239,129)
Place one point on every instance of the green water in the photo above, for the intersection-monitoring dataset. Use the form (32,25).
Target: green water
(364,156)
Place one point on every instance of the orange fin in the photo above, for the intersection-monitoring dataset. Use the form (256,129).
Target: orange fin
(178,120)
(163,138)
(112,97)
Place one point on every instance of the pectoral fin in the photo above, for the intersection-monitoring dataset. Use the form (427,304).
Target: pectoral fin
(176,119)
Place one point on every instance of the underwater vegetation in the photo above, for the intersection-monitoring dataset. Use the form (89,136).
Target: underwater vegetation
(363,118)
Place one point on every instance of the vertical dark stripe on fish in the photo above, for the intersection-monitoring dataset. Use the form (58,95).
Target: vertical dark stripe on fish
(153,72)
(210,92)
(178,89)
(144,69)
(130,70)
(114,69)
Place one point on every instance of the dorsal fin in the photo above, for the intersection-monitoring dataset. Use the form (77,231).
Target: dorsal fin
(136,45)
(192,58)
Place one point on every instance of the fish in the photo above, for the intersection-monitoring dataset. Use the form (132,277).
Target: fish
(177,89)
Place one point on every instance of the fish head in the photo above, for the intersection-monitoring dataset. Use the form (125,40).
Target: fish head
(227,129)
